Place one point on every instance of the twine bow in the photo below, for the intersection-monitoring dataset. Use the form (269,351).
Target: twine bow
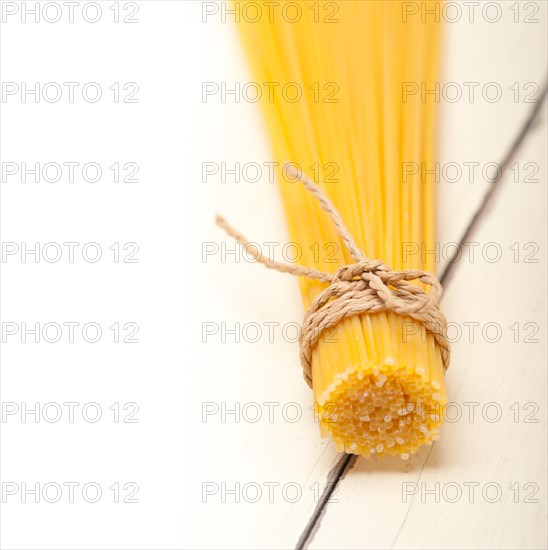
(366,286)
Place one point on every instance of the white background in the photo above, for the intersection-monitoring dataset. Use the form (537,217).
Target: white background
(169,453)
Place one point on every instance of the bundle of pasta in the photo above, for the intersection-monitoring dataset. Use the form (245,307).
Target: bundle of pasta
(342,111)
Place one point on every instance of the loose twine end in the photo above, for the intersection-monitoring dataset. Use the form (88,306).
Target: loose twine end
(366,286)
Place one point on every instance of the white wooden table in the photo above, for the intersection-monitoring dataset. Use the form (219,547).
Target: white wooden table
(226,453)
(428,502)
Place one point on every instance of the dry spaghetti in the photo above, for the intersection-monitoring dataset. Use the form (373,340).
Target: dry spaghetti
(379,384)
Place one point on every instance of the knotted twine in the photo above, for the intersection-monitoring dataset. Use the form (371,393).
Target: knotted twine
(366,286)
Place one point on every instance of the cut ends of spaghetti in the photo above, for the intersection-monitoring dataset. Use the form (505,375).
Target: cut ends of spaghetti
(382,403)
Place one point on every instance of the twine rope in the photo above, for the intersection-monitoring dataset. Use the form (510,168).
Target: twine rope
(366,286)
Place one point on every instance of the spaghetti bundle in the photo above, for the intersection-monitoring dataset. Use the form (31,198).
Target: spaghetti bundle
(336,112)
